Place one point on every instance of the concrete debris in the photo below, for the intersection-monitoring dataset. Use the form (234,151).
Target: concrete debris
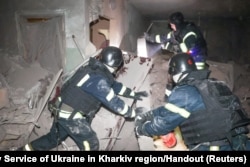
(24,92)
(35,94)
(4,98)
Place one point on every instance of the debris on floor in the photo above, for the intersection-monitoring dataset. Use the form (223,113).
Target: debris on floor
(24,89)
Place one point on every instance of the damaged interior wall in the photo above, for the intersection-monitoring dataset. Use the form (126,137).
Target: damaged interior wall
(225,38)
(37,42)
(24,83)
(126,24)
(74,22)
(26,54)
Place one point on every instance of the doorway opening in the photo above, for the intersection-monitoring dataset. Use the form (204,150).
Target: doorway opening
(41,38)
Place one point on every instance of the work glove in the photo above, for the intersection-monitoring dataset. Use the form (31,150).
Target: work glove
(171,48)
(140,120)
(149,38)
(144,116)
(139,95)
(176,49)
(168,90)
(140,131)
(134,113)
(173,41)
(140,111)
(53,109)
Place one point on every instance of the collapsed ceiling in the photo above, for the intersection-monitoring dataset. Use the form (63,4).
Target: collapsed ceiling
(160,9)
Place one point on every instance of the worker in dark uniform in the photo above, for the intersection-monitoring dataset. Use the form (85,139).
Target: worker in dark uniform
(209,115)
(81,97)
(185,37)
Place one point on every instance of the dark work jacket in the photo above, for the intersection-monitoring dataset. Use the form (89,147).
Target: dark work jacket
(92,86)
(187,35)
(186,108)
(196,44)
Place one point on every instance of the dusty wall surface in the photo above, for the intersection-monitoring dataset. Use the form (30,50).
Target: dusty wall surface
(224,39)
(126,25)
(75,14)
(228,40)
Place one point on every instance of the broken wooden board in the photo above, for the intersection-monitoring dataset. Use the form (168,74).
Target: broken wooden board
(107,126)
(145,143)
(2,133)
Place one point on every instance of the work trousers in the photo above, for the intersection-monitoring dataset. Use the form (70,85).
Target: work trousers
(78,129)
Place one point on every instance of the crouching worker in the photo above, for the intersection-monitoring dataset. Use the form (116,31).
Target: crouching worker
(209,115)
(81,97)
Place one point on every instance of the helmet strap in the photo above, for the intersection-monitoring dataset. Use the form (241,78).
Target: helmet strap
(180,77)
(111,70)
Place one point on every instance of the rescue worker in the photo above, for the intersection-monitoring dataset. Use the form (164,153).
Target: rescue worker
(185,37)
(81,97)
(209,115)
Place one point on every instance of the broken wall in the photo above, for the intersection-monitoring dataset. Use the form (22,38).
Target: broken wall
(75,24)
(126,24)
